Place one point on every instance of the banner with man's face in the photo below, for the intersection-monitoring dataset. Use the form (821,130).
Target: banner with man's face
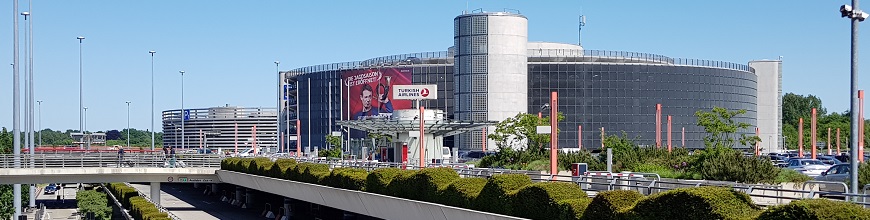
(368,92)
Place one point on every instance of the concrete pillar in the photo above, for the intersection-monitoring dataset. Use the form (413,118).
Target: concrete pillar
(155,192)
(214,188)
(239,191)
(287,211)
(196,185)
(249,197)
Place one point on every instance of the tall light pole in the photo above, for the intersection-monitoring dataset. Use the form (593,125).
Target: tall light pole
(183,112)
(152,99)
(81,87)
(856,16)
(87,136)
(128,124)
(39,102)
(28,96)
(278,105)
(16,114)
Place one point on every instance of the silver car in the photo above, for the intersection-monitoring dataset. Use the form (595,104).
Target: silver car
(809,167)
(837,173)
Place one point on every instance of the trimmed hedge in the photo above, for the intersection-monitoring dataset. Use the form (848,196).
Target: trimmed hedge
(541,200)
(812,209)
(612,204)
(496,194)
(378,180)
(355,179)
(279,167)
(123,193)
(315,173)
(431,180)
(462,192)
(260,166)
(334,178)
(94,202)
(573,209)
(696,203)
(402,185)
(140,208)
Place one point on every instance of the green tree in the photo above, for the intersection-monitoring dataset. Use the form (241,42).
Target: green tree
(798,106)
(520,132)
(335,141)
(720,127)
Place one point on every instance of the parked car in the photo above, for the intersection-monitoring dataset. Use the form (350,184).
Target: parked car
(838,173)
(474,155)
(829,160)
(50,189)
(809,167)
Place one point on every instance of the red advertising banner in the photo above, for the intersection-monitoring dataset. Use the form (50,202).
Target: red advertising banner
(370,96)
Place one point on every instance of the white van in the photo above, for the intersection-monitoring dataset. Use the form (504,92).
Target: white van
(445,155)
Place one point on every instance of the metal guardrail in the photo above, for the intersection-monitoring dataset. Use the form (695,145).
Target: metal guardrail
(645,183)
(110,160)
(117,203)
(159,207)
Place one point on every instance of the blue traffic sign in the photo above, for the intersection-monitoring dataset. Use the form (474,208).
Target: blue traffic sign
(186,115)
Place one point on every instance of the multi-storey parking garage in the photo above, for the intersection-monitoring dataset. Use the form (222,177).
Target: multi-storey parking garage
(492,72)
(220,128)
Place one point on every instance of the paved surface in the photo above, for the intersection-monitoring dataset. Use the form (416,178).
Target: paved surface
(187,202)
(58,209)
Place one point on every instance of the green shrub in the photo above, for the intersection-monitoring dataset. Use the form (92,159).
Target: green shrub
(380,178)
(611,204)
(279,167)
(495,195)
(334,178)
(429,181)
(863,174)
(315,173)
(791,176)
(91,201)
(567,158)
(462,192)
(812,209)
(355,180)
(573,209)
(403,185)
(260,166)
(696,203)
(540,200)
(726,164)
(538,165)
(243,164)
(230,163)
(296,172)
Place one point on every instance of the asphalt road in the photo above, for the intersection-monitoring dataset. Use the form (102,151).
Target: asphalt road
(65,208)
(186,202)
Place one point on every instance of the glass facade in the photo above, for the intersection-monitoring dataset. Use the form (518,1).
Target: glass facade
(614,90)
(622,97)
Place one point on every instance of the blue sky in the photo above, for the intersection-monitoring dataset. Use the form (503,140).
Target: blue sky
(232,44)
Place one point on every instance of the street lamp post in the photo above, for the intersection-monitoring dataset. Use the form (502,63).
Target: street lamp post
(86,135)
(40,121)
(152,99)
(128,125)
(183,112)
(278,104)
(81,87)
(855,15)
(16,114)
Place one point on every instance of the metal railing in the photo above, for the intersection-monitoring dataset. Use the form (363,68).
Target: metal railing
(644,183)
(111,160)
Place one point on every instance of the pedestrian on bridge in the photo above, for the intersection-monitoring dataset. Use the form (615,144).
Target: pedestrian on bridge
(120,156)
(171,157)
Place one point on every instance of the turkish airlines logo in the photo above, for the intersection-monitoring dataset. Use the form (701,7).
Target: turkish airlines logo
(424,92)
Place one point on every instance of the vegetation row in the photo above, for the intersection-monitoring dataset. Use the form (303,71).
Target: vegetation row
(517,195)
(140,208)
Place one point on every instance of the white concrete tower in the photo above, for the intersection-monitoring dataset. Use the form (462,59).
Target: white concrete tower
(769,117)
(490,70)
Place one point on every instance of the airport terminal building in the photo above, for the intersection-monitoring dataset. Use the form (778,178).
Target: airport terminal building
(492,72)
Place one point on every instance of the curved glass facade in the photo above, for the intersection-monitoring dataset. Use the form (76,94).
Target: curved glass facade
(610,89)
(622,97)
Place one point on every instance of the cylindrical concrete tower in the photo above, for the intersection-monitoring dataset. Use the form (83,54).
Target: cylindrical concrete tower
(491,71)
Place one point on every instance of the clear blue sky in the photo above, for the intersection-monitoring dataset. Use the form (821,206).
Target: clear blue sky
(227,47)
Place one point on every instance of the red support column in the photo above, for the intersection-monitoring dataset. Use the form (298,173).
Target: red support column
(422,147)
(757,149)
(801,138)
(829,142)
(684,137)
(602,138)
(236,134)
(669,134)
(658,125)
(254,142)
(484,140)
(838,141)
(540,115)
(813,135)
(298,138)
(580,137)
(554,134)
(861,126)
(200,139)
